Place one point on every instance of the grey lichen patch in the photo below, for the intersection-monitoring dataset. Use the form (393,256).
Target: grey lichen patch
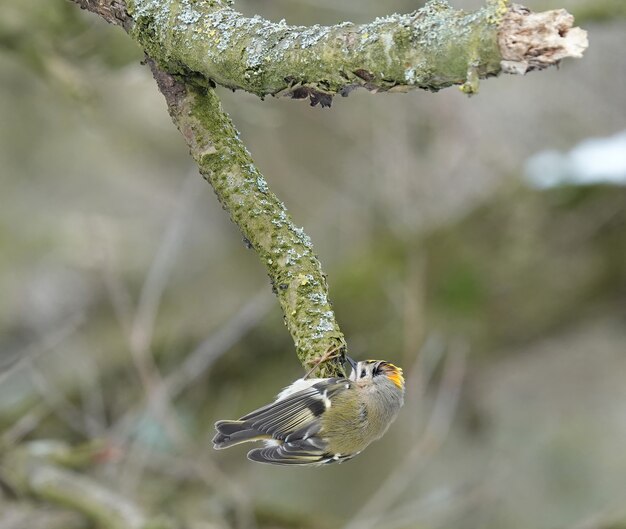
(304,239)
(284,249)
(187,16)
(325,324)
(291,257)
(261,184)
(319,298)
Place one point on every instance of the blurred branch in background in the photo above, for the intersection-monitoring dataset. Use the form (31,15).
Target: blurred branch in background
(159,390)
(34,469)
(142,329)
(612,516)
(24,358)
(57,43)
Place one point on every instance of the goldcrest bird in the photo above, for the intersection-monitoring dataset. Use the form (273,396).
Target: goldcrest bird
(316,421)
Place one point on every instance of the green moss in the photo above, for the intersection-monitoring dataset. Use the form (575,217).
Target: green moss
(283,248)
(432,48)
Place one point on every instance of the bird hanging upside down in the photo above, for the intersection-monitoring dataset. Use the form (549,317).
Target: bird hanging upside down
(316,421)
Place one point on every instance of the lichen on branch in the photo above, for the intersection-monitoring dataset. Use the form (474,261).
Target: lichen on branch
(431,48)
(284,249)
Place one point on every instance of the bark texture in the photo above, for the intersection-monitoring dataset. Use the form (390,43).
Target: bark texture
(431,48)
(284,249)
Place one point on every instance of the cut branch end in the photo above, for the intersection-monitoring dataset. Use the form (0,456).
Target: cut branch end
(534,41)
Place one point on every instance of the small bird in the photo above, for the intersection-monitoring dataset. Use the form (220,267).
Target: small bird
(316,421)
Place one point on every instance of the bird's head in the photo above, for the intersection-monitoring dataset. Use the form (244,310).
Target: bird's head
(368,370)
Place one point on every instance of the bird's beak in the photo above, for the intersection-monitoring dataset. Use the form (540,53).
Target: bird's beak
(351,362)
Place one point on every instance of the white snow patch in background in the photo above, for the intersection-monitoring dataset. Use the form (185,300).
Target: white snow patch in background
(595,160)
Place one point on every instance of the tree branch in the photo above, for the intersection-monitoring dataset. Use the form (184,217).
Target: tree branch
(284,249)
(432,48)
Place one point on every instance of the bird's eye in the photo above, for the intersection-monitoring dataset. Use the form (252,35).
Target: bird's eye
(363,373)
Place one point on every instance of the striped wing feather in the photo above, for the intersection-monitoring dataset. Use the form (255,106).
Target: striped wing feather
(292,422)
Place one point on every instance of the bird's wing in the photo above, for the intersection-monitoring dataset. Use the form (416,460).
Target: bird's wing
(290,425)
(295,453)
(295,416)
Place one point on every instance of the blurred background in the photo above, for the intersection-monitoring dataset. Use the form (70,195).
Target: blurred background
(478,242)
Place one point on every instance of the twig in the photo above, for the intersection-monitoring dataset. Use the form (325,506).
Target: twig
(92,399)
(37,469)
(57,402)
(200,359)
(119,295)
(26,424)
(224,338)
(47,342)
(193,45)
(52,398)
(142,329)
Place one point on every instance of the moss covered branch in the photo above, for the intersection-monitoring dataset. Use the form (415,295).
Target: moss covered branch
(284,249)
(432,48)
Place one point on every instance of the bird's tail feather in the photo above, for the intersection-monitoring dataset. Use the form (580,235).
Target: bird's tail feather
(231,433)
